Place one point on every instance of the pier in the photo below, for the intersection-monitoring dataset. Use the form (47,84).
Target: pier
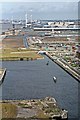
(2,75)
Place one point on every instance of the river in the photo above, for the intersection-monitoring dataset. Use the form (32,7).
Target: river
(34,79)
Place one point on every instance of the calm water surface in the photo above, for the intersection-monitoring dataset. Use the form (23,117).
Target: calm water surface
(34,79)
(6,26)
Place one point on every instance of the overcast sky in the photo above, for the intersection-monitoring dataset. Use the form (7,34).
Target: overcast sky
(40,10)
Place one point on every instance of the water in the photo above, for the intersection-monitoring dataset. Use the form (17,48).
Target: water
(25,41)
(6,26)
(34,79)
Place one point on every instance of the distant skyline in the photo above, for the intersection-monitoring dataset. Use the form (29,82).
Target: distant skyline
(39,0)
(40,10)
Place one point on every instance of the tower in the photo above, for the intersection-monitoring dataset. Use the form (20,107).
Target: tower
(13,26)
(26,20)
(31,18)
(13,29)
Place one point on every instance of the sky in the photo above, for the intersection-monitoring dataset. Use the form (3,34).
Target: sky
(52,10)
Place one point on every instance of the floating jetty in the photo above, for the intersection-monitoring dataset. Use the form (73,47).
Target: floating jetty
(2,75)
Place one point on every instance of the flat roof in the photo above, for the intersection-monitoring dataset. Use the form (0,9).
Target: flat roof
(56,29)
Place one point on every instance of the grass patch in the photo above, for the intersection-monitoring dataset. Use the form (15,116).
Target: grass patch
(15,54)
(41,114)
(9,110)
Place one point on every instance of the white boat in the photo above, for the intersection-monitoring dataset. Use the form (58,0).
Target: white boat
(55,79)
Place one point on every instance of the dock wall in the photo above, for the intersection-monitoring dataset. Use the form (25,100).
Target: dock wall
(66,67)
(2,76)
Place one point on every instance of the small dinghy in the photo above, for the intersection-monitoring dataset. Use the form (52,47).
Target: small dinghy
(47,63)
(55,79)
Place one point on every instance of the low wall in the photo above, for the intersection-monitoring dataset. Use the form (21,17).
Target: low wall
(65,67)
(2,76)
